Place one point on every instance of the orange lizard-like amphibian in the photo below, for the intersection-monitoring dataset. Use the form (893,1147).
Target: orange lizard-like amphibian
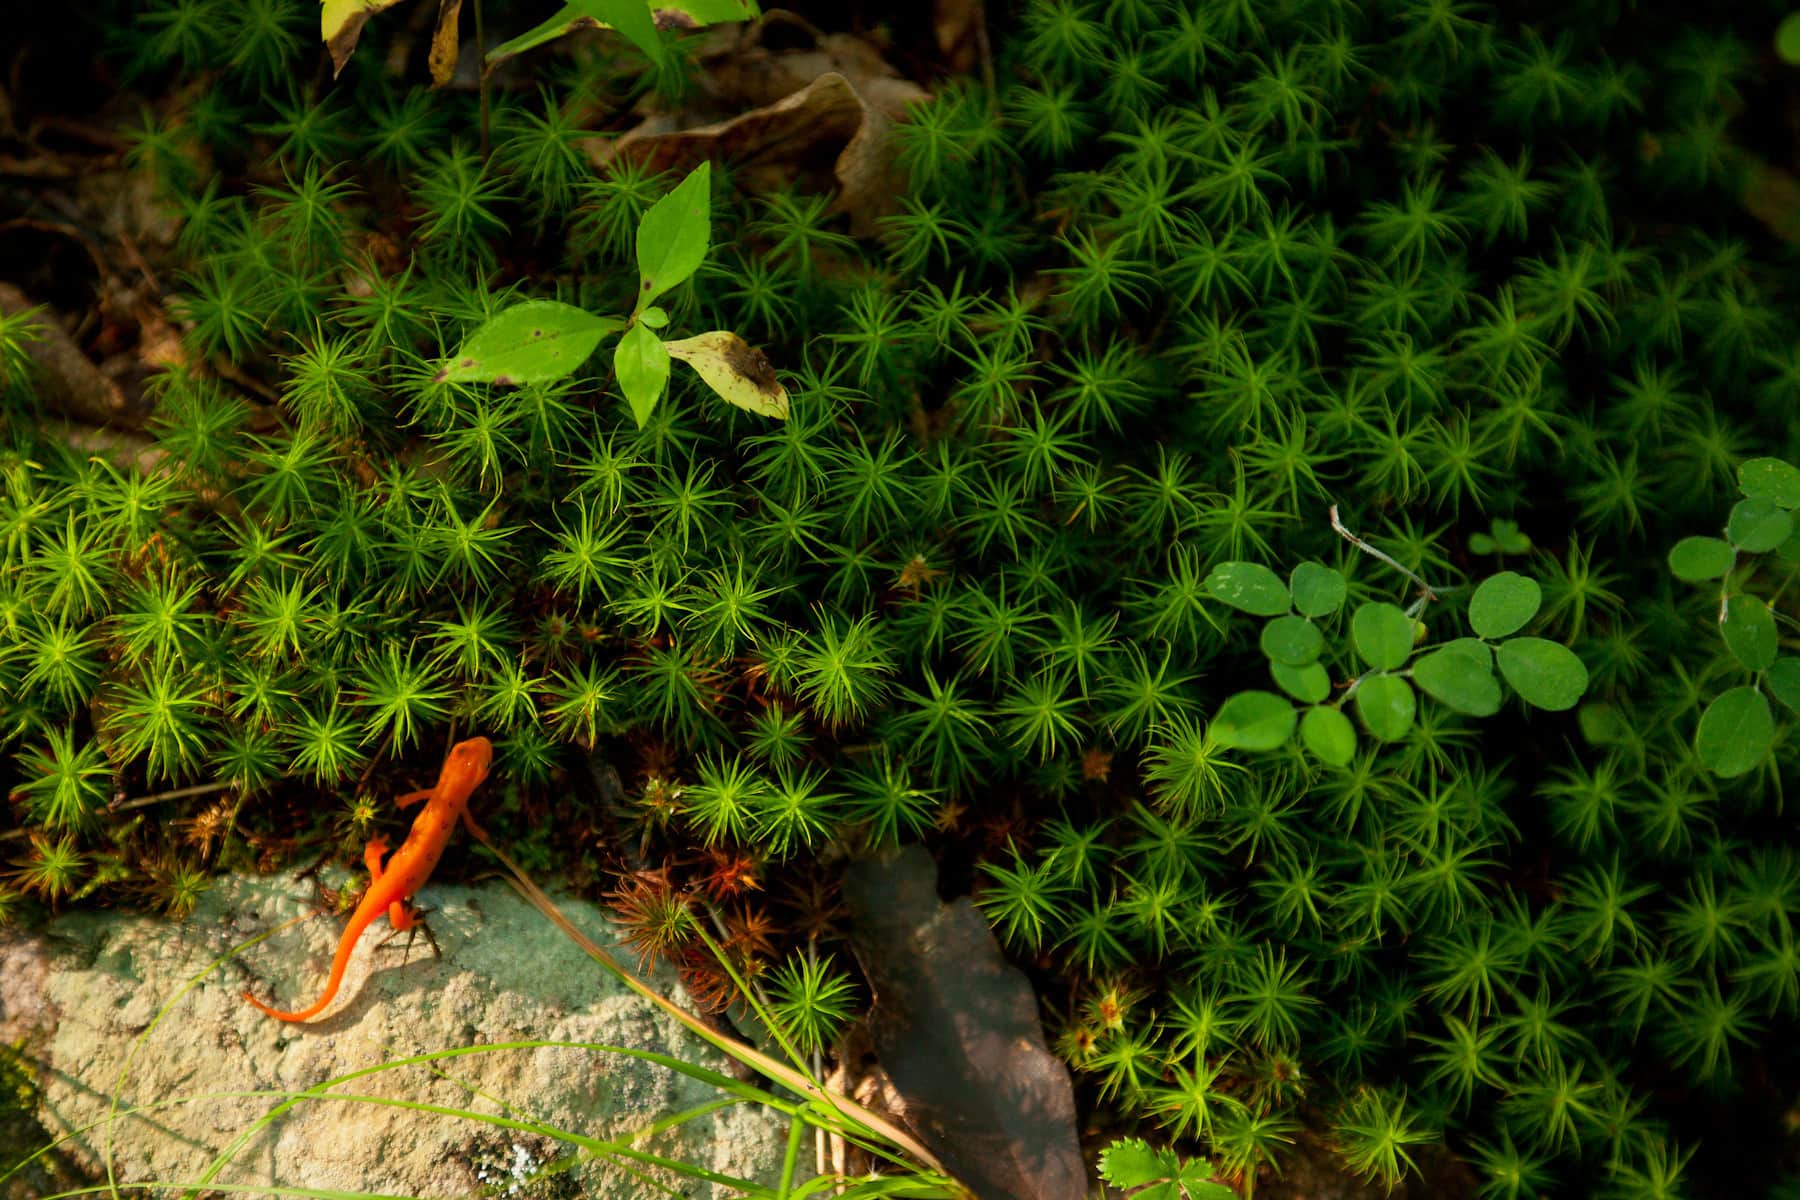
(410,865)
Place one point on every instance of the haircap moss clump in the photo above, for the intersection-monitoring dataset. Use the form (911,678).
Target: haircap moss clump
(1190,275)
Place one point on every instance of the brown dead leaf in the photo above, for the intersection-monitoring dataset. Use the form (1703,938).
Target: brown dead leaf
(818,109)
(959,27)
(68,380)
(442,59)
(957,1030)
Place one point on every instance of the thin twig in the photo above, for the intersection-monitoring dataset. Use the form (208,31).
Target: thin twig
(198,789)
(1364,546)
(481,78)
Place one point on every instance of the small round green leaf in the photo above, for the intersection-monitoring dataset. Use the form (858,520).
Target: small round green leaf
(1697,559)
(1474,649)
(1386,704)
(1309,684)
(1784,681)
(1503,603)
(1787,39)
(1253,721)
(1602,724)
(1789,551)
(1318,591)
(1383,634)
(1771,479)
(1749,631)
(1292,641)
(1249,587)
(1329,734)
(1545,673)
(1735,733)
(1458,680)
(1757,526)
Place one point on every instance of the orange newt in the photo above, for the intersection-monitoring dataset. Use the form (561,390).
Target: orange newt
(390,887)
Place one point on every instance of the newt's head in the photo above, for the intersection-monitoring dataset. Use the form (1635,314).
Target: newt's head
(472,757)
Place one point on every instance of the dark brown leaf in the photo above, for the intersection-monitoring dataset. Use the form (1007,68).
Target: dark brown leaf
(957,1030)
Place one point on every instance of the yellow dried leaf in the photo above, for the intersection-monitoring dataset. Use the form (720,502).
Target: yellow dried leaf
(735,369)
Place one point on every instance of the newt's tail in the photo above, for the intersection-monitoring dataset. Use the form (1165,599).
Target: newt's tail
(305,1014)
(339,962)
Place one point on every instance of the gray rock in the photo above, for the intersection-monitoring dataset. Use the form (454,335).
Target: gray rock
(84,991)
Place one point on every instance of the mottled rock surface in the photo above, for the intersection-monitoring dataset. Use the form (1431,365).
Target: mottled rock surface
(84,990)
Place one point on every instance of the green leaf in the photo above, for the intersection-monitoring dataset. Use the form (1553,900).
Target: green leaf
(1784,681)
(1503,603)
(632,18)
(1130,1162)
(1546,674)
(674,234)
(1460,680)
(1292,641)
(736,370)
(1318,591)
(642,365)
(571,17)
(1757,525)
(1383,634)
(1386,704)
(1789,551)
(1603,724)
(1697,559)
(1309,684)
(1735,733)
(1196,1180)
(1249,587)
(1749,631)
(1787,39)
(536,341)
(1253,720)
(1329,734)
(1771,479)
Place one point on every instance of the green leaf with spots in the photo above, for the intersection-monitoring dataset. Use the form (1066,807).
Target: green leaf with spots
(1735,733)
(1386,704)
(1253,720)
(1503,604)
(1329,734)
(1248,587)
(1546,674)
(673,236)
(1383,634)
(536,341)
(1770,479)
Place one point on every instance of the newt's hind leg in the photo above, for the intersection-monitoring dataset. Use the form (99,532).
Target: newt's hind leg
(415,923)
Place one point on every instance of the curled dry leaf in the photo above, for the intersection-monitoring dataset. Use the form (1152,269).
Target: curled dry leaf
(732,367)
(820,106)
